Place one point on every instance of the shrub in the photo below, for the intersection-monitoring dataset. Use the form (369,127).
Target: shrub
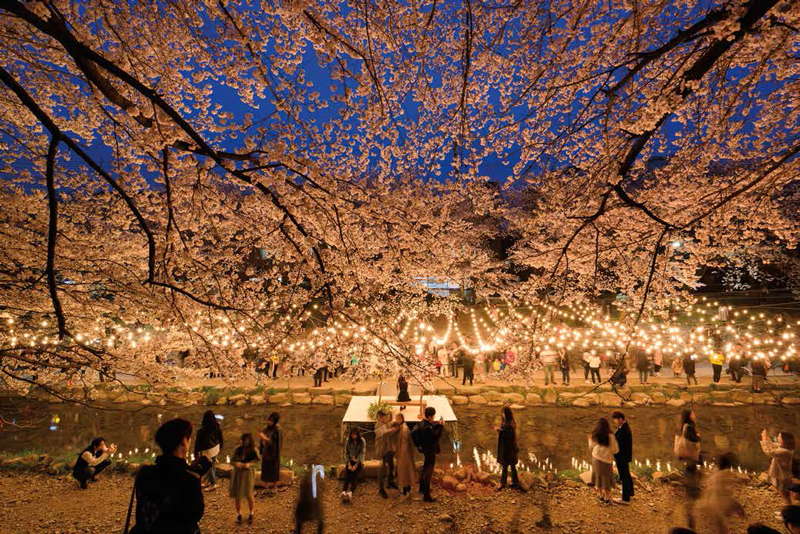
(375,407)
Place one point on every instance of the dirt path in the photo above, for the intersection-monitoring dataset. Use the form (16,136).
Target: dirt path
(41,503)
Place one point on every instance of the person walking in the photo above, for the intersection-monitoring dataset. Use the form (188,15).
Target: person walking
(604,446)
(719,503)
(594,366)
(624,456)
(385,438)
(687,449)
(642,363)
(92,461)
(243,476)
(208,443)
(689,368)
(507,448)
(168,494)
(426,437)
(469,369)
(780,467)
(309,503)
(354,449)
(404,455)
(402,390)
(563,364)
(548,357)
(271,441)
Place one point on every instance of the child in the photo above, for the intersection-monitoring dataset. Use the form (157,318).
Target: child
(243,476)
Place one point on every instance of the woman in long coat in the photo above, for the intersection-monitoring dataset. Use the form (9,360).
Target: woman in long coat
(404,455)
(271,442)
(507,449)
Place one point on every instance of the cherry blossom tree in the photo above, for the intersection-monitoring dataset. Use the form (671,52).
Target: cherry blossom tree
(238,176)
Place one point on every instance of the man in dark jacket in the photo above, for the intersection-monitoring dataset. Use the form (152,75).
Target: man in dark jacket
(624,456)
(168,494)
(689,369)
(428,433)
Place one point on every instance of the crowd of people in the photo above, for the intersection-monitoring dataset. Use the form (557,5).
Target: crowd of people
(169,494)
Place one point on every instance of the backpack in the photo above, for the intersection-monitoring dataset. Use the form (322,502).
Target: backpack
(418,438)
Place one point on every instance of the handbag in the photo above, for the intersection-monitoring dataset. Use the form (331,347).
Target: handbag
(685,449)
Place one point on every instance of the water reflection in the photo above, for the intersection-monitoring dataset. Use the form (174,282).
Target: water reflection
(312,434)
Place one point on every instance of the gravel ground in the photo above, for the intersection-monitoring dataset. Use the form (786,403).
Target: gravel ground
(42,503)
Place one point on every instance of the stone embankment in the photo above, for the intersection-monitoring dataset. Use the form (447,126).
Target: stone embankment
(517,396)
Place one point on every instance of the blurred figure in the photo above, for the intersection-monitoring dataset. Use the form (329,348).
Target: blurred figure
(594,366)
(642,363)
(719,503)
(780,468)
(761,528)
(563,364)
(548,357)
(791,518)
(688,449)
(469,368)
(309,502)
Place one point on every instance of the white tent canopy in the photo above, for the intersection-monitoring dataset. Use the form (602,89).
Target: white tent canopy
(359,406)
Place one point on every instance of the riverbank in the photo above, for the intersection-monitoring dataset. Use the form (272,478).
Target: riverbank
(781,390)
(31,502)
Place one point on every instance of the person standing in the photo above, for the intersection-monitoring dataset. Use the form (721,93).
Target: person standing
(385,438)
(428,432)
(717,359)
(208,443)
(677,367)
(243,477)
(507,448)
(548,357)
(735,367)
(563,364)
(585,363)
(92,460)
(454,360)
(271,441)
(469,369)
(658,361)
(689,368)
(624,456)
(404,455)
(759,372)
(594,366)
(604,446)
(402,390)
(642,363)
(780,468)
(354,450)
(168,494)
